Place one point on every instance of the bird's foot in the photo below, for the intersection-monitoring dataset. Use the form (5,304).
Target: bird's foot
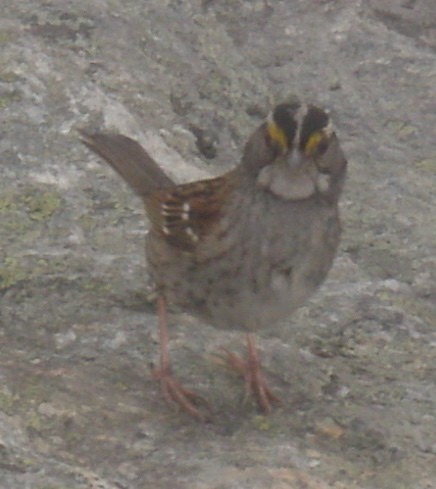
(255,385)
(174,393)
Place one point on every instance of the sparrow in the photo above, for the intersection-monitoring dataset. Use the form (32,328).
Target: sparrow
(241,251)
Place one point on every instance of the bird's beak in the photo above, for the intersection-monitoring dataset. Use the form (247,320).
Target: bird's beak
(295,158)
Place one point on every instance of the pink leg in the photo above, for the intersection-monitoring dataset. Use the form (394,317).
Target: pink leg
(250,369)
(172,391)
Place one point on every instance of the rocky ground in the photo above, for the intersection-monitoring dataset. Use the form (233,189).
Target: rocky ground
(191,80)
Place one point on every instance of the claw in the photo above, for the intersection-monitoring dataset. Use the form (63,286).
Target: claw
(174,393)
(250,370)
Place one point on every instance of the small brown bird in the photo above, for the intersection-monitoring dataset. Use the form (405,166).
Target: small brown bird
(243,250)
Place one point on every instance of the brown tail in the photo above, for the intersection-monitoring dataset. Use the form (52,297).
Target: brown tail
(130,160)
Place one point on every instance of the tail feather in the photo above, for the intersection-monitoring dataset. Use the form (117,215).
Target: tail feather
(130,160)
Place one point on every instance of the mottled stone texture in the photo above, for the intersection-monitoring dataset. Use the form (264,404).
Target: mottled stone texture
(191,79)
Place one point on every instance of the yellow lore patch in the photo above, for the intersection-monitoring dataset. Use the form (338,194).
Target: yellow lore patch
(277,135)
(312,142)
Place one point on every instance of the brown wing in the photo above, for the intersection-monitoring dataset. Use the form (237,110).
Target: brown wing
(184,215)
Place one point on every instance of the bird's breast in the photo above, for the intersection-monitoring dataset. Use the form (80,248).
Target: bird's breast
(260,269)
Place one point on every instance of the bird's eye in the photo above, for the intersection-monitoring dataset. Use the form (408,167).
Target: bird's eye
(315,133)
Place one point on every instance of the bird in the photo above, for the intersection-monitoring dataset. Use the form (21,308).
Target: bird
(241,251)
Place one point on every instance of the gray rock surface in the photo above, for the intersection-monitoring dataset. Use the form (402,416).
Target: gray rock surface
(191,79)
